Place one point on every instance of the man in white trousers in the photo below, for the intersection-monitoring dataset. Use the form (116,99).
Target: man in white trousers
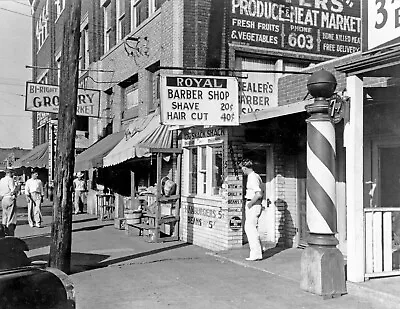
(8,192)
(253,199)
(34,196)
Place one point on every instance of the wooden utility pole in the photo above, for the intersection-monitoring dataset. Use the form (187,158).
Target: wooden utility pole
(61,229)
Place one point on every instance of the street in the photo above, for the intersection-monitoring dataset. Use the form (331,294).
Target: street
(111,269)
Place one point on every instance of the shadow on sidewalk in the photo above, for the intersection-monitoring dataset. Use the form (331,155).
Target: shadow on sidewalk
(81,262)
(272,251)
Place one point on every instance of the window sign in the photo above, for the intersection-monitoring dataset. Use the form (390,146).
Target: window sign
(45,98)
(381,27)
(199,100)
(328,27)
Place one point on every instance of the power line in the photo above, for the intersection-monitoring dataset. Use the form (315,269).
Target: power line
(21,3)
(15,12)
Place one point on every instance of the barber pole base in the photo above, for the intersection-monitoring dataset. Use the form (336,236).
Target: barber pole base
(322,267)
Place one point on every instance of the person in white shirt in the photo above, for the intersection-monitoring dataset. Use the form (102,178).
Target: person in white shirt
(253,199)
(8,202)
(79,191)
(34,196)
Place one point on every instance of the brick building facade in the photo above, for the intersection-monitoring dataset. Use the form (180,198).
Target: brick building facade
(126,46)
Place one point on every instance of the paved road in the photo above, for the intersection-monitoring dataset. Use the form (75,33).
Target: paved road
(113,270)
(187,278)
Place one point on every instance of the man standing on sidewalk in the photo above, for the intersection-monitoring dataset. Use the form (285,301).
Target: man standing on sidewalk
(79,191)
(253,199)
(8,202)
(34,196)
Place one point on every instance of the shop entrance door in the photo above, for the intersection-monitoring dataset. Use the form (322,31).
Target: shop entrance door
(382,215)
(262,157)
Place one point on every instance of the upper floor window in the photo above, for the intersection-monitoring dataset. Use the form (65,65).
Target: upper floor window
(155,5)
(120,11)
(107,26)
(140,12)
(58,63)
(84,48)
(131,96)
(60,6)
(42,30)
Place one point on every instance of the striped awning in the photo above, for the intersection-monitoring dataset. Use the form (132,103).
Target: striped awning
(93,156)
(37,157)
(140,137)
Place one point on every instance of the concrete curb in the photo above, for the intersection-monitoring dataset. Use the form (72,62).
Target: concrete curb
(388,300)
(251,265)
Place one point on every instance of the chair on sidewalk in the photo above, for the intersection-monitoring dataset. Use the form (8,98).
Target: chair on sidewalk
(105,206)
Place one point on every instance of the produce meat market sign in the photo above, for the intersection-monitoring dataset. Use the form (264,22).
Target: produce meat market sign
(381,24)
(45,98)
(199,100)
(323,27)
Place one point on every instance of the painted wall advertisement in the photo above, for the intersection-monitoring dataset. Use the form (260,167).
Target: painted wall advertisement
(323,27)
(199,100)
(381,23)
(46,98)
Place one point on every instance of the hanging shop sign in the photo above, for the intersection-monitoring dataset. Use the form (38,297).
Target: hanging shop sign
(381,23)
(199,100)
(329,27)
(46,98)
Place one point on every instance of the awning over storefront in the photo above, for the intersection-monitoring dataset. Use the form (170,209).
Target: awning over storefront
(93,156)
(274,112)
(37,157)
(140,137)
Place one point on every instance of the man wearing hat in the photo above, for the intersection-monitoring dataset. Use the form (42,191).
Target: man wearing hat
(79,189)
(8,201)
(34,196)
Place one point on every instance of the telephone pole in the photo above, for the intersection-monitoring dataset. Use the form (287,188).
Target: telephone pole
(61,229)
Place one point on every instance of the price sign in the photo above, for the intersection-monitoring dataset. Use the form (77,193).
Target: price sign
(199,100)
(328,27)
(382,25)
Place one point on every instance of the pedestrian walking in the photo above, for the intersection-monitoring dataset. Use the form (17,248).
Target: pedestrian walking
(8,202)
(253,199)
(79,191)
(34,196)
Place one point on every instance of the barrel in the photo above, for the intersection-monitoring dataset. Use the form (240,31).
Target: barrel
(133,216)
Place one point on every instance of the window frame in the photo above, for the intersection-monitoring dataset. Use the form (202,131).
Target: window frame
(135,4)
(119,17)
(107,23)
(131,90)
(60,6)
(204,176)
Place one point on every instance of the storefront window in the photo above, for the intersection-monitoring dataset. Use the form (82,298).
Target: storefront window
(205,175)
(203,171)
(193,171)
(217,176)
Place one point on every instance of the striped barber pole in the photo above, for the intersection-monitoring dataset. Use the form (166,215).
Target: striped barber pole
(321,182)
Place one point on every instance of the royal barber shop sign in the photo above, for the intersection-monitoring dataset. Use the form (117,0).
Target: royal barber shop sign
(323,27)
(381,23)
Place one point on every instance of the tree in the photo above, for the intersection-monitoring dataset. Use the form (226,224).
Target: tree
(61,229)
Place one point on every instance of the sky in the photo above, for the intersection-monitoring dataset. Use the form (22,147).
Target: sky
(15,54)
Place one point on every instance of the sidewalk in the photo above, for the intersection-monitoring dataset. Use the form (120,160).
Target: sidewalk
(97,245)
(285,263)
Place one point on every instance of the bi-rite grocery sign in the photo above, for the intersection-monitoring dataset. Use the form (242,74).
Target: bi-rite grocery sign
(328,27)
(45,98)
(199,100)
(381,23)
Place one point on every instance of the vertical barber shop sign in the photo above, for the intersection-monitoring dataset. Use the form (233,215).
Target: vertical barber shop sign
(381,23)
